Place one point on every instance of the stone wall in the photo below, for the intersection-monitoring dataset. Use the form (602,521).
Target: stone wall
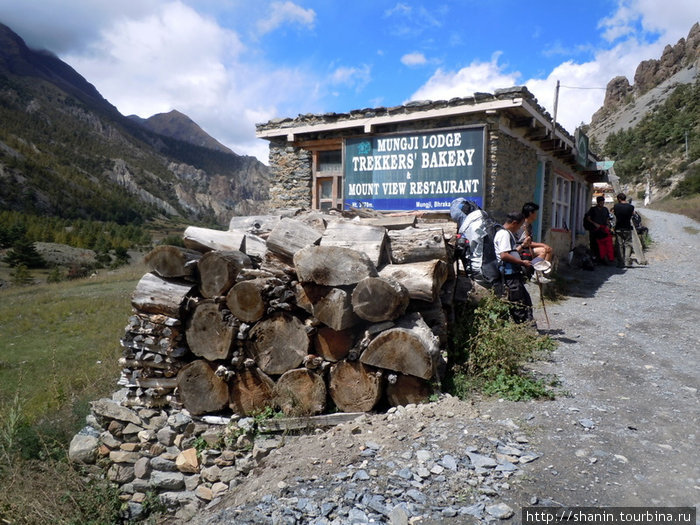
(512,177)
(290,174)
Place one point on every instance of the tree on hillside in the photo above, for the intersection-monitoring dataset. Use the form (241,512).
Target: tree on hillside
(24,253)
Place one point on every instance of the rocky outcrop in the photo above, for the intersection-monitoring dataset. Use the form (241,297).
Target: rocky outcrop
(650,74)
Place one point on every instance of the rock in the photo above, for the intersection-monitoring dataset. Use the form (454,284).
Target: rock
(165,465)
(131,429)
(112,410)
(481,461)
(187,461)
(219,489)
(108,439)
(122,456)
(586,423)
(142,468)
(500,511)
(83,449)
(120,474)
(166,436)
(449,462)
(399,515)
(211,474)
(423,456)
(204,493)
(192,482)
(228,474)
(167,480)
(135,510)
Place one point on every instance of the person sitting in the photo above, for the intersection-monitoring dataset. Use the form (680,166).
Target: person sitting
(534,249)
(508,256)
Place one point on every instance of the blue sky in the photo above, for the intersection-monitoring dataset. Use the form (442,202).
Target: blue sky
(231,63)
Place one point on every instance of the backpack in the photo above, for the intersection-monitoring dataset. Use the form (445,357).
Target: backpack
(478,229)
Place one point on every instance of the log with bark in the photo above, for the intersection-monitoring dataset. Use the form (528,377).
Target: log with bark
(172,261)
(251,391)
(211,331)
(354,387)
(378,299)
(206,239)
(155,295)
(256,224)
(417,244)
(218,271)
(410,348)
(332,266)
(331,306)
(423,280)
(279,343)
(290,235)
(365,238)
(201,390)
(301,392)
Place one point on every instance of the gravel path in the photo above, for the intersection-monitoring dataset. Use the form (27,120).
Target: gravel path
(626,433)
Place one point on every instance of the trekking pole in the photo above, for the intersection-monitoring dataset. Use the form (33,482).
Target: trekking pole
(539,284)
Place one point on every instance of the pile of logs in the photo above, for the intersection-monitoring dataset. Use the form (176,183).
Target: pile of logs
(299,313)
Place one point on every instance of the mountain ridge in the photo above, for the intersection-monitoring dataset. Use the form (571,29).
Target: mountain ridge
(66,151)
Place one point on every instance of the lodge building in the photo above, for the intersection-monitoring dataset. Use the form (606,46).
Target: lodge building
(498,149)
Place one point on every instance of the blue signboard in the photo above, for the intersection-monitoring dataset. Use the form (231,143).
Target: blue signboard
(421,171)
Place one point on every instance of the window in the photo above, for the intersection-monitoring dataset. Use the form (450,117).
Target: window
(561,203)
(328,179)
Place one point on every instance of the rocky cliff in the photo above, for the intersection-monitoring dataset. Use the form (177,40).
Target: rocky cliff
(678,64)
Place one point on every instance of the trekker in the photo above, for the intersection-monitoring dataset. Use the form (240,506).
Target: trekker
(508,255)
(595,219)
(623,211)
(535,249)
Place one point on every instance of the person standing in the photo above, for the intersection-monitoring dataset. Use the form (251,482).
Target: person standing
(595,219)
(623,211)
(508,256)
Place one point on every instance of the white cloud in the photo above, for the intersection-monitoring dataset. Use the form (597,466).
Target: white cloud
(414,59)
(477,76)
(286,12)
(670,21)
(175,58)
(352,77)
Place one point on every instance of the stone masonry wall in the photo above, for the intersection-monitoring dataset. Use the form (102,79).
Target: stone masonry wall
(512,176)
(290,170)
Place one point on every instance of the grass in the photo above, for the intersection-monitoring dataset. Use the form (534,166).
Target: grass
(688,206)
(60,341)
(59,345)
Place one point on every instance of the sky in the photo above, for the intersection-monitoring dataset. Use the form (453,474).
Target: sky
(229,64)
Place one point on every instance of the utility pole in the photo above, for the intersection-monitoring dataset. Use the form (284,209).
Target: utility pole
(556,104)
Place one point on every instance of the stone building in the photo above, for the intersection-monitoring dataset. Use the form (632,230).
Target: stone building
(498,149)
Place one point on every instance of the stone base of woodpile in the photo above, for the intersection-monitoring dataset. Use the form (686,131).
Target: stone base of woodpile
(305,314)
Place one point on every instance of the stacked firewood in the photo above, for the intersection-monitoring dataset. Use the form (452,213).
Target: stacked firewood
(299,313)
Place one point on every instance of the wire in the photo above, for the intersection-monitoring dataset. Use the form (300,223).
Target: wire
(579,87)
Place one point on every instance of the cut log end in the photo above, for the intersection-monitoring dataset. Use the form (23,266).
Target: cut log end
(301,392)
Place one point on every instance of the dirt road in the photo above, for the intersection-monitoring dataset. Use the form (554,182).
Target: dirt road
(628,355)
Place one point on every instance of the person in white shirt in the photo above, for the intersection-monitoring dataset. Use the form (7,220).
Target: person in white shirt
(508,255)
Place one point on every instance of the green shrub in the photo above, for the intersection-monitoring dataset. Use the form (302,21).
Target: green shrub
(487,347)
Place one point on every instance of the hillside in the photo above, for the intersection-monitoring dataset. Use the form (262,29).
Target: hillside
(652,128)
(65,151)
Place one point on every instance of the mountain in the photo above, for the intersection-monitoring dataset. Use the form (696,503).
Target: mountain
(179,126)
(651,128)
(65,151)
